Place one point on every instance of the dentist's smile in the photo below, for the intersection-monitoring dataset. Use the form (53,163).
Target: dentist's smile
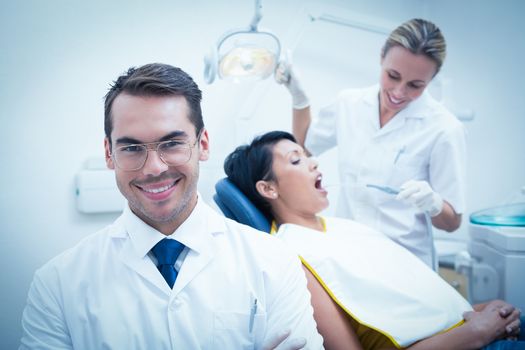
(158,191)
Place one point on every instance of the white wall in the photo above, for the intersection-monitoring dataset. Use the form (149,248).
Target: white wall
(58,57)
(485,66)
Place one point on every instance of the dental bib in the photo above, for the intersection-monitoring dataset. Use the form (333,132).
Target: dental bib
(377,282)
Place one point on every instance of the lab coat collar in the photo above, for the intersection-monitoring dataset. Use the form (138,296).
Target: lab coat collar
(190,232)
(142,236)
(199,227)
(417,109)
(195,233)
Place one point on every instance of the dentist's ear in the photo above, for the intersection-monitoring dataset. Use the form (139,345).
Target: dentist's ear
(107,154)
(266,189)
(204,146)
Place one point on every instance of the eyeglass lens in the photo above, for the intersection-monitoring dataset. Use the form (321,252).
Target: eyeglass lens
(133,157)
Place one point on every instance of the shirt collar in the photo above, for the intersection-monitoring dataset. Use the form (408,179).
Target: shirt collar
(191,232)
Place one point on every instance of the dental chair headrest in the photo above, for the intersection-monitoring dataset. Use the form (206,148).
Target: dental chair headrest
(236,206)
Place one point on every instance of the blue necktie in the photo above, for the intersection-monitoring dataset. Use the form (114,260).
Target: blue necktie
(166,252)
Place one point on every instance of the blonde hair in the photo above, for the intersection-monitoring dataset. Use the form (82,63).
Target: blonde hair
(419,36)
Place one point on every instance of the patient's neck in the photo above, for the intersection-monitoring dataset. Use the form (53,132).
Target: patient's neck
(311,221)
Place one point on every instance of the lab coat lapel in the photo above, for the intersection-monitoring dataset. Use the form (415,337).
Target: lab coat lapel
(143,266)
(194,263)
(201,244)
(394,124)
(371,120)
(415,110)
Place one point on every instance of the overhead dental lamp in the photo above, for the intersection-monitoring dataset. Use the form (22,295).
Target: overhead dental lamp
(243,54)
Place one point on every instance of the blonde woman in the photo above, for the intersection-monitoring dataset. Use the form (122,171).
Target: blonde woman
(393,134)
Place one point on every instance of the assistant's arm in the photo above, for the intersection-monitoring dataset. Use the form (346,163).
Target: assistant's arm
(301,121)
(301,116)
(43,322)
(448,219)
(447,171)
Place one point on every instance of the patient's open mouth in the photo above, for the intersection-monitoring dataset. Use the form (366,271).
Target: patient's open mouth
(318,184)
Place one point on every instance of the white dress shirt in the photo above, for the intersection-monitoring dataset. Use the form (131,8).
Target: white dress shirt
(106,292)
(424,141)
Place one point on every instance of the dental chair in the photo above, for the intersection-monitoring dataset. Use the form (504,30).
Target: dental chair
(236,206)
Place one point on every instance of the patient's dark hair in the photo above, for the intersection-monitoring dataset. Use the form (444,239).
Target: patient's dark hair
(251,163)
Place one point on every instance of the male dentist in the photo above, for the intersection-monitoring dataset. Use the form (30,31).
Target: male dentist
(169,273)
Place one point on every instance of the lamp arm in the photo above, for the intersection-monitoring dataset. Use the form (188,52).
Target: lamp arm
(256,16)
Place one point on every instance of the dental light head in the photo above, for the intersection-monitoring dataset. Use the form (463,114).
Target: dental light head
(243,54)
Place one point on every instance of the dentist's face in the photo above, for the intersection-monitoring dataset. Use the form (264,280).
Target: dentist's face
(404,77)
(162,196)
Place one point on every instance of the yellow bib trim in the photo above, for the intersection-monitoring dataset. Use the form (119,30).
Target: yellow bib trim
(396,344)
(274,228)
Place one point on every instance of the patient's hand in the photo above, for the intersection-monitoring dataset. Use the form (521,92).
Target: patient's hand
(494,320)
(512,315)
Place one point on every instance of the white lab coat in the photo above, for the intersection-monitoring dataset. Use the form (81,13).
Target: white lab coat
(106,293)
(378,282)
(422,142)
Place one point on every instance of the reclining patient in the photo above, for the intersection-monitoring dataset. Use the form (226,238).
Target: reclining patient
(367,291)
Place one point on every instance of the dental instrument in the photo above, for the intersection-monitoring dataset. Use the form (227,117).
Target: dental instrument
(385,189)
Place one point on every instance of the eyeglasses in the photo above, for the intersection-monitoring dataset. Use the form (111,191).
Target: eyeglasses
(172,153)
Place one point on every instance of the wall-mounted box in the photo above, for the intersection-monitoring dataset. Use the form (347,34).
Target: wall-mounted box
(97,192)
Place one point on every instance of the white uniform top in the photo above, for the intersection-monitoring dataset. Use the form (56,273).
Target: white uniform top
(424,141)
(378,282)
(106,293)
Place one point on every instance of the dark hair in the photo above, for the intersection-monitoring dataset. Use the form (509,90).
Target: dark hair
(251,163)
(155,79)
